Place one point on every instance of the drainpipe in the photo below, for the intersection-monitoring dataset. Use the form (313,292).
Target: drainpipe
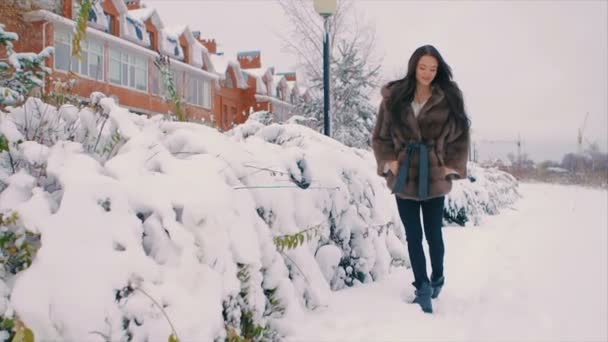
(44,46)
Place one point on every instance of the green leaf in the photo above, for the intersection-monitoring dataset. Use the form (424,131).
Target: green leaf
(23,334)
(301,238)
(173,338)
(3,143)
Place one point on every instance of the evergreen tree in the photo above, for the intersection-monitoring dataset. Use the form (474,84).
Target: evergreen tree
(20,72)
(352,80)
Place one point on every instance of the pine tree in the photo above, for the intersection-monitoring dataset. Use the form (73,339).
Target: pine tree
(20,73)
(352,80)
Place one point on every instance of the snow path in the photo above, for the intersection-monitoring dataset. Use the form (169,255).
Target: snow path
(536,272)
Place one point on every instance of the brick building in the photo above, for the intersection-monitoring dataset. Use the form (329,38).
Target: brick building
(124,39)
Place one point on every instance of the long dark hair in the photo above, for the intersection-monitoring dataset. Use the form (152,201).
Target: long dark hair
(403,90)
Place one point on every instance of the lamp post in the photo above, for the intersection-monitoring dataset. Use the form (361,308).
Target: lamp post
(326,8)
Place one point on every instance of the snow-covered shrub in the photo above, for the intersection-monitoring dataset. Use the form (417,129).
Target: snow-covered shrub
(178,230)
(23,72)
(180,218)
(485,192)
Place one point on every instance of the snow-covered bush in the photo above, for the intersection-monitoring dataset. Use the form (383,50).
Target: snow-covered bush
(485,192)
(23,72)
(181,217)
(145,228)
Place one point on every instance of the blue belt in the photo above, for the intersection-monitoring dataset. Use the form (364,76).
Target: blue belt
(423,169)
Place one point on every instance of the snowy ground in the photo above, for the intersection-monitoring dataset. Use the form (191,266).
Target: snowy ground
(537,272)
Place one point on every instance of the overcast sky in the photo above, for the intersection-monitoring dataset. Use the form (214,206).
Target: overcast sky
(532,68)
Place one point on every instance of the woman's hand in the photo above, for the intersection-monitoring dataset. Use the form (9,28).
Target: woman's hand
(393,166)
(451,174)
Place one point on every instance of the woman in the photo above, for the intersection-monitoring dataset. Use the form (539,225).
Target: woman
(421,144)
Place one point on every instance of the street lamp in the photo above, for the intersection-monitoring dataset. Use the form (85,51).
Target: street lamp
(326,8)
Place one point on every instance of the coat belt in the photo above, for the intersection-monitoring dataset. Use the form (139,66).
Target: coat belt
(423,168)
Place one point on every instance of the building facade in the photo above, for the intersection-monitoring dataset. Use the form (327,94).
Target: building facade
(118,58)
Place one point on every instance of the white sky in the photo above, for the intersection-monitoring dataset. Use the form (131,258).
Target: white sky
(532,68)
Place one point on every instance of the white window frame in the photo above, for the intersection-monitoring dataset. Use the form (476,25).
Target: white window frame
(128,63)
(200,87)
(64,37)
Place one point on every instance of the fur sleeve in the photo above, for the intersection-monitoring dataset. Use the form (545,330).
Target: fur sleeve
(457,149)
(382,142)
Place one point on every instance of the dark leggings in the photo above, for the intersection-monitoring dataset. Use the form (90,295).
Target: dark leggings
(432,216)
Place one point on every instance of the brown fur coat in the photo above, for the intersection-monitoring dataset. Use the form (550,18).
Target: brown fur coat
(434,126)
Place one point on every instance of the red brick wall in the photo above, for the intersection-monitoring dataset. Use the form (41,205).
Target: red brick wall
(184,43)
(30,34)
(231,105)
(108,6)
(290,76)
(250,62)
(31,40)
(67,8)
(210,44)
(151,28)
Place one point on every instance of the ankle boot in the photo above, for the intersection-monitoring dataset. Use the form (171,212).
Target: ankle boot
(423,297)
(436,286)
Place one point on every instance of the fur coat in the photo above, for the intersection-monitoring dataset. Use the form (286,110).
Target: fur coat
(448,145)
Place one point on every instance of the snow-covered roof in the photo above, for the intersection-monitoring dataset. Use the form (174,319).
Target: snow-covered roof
(220,64)
(135,30)
(258,72)
(120,5)
(143,14)
(291,85)
(276,79)
(240,79)
(97,17)
(260,86)
(207,60)
(170,43)
(197,54)
(45,15)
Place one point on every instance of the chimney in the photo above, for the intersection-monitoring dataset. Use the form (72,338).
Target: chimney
(133,4)
(250,59)
(289,76)
(210,44)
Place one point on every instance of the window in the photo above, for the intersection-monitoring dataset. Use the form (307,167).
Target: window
(128,70)
(152,38)
(155,81)
(91,63)
(199,92)
(178,80)
(110,19)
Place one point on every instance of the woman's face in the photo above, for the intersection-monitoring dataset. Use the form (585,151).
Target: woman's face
(426,70)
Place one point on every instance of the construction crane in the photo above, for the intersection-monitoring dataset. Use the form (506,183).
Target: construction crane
(516,142)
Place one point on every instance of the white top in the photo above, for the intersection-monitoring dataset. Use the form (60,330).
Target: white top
(417,106)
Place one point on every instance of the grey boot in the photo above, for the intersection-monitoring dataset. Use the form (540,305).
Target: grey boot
(436,286)
(423,298)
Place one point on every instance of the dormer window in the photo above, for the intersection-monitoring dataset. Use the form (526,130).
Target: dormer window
(110,19)
(152,38)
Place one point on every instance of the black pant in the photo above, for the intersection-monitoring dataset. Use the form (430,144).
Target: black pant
(432,216)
